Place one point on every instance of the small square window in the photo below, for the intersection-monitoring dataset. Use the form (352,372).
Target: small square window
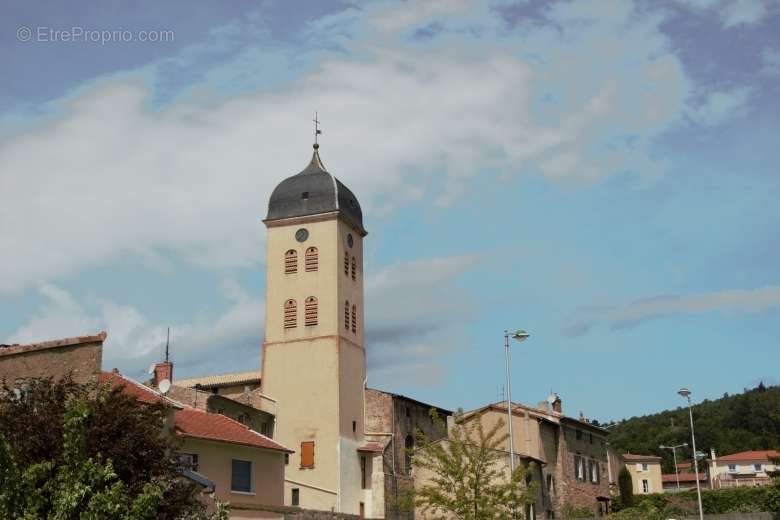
(305,195)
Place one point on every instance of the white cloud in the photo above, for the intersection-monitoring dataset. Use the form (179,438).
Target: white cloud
(770,59)
(719,106)
(112,176)
(410,325)
(636,312)
(395,18)
(732,13)
(743,12)
(414,315)
(135,340)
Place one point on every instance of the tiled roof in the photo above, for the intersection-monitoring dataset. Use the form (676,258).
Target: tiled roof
(216,427)
(750,455)
(7,350)
(684,477)
(143,393)
(639,458)
(236,378)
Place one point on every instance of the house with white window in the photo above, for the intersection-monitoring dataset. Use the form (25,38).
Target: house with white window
(746,468)
(645,473)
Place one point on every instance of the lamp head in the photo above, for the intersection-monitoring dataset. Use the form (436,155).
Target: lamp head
(684,392)
(520,335)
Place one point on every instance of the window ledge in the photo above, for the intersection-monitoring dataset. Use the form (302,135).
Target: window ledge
(249,493)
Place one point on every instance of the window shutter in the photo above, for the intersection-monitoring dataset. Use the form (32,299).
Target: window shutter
(346,263)
(354,268)
(346,314)
(312,259)
(354,318)
(290,314)
(307,454)
(291,262)
(311,311)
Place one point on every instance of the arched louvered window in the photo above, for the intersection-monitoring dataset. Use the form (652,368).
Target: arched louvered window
(290,314)
(311,259)
(354,267)
(291,262)
(354,318)
(346,264)
(346,314)
(311,311)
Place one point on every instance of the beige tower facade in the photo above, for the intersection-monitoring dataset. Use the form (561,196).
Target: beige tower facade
(314,363)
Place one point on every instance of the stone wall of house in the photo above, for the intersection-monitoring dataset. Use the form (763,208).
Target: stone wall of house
(393,414)
(580,493)
(247,511)
(80,360)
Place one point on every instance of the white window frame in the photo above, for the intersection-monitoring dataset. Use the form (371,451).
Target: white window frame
(733,468)
(645,486)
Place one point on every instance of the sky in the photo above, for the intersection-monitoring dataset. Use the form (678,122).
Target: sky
(601,173)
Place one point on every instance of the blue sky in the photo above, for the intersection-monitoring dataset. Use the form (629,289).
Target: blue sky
(601,173)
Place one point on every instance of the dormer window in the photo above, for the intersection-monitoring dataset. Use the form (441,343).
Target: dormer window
(291,262)
(311,259)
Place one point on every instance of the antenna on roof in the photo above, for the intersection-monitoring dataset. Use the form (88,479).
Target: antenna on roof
(167,344)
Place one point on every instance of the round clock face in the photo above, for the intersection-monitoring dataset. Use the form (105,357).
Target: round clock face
(301,235)
(350,240)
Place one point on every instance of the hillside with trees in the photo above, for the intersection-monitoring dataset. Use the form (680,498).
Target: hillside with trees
(733,423)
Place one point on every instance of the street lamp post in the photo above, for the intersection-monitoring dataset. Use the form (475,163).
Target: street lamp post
(674,456)
(519,335)
(686,394)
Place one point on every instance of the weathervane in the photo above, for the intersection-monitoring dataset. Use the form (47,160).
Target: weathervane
(317,130)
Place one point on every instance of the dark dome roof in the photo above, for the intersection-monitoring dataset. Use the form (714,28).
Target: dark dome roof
(314,191)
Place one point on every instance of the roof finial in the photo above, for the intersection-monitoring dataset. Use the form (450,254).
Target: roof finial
(317,130)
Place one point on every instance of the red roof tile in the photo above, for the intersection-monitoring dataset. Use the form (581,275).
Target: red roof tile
(750,455)
(684,477)
(134,388)
(216,427)
(637,458)
(7,350)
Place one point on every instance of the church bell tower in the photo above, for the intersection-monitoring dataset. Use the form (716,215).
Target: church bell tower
(314,362)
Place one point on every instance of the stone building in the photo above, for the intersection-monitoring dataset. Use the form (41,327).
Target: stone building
(391,423)
(569,455)
(79,357)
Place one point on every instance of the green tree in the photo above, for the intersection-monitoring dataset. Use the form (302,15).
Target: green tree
(626,487)
(468,472)
(75,451)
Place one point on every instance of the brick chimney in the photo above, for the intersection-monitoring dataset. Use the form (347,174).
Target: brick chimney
(163,370)
(557,404)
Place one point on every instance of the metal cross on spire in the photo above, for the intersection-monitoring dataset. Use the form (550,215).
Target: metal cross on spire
(317,130)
